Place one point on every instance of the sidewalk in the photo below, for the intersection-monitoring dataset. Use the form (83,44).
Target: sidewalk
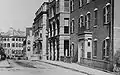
(76,67)
(4,64)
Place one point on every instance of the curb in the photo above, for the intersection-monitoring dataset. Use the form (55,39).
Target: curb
(66,67)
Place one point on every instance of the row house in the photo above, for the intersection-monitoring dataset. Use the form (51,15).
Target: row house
(40,32)
(12,42)
(58,29)
(92,32)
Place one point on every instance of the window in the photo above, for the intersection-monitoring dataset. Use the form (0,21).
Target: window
(13,51)
(13,39)
(13,44)
(28,48)
(72,26)
(22,39)
(66,29)
(96,15)
(40,35)
(88,1)
(8,44)
(88,21)
(88,44)
(80,3)
(89,55)
(72,5)
(20,45)
(57,5)
(105,48)
(66,25)
(7,39)
(79,25)
(106,14)
(19,39)
(29,42)
(16,44)
(66,5)
(4,39)
(16,39)
(95,48)
(4,44)
(66,47)
(72,50)
(81,21)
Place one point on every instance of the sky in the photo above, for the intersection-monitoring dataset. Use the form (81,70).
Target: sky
(18,14)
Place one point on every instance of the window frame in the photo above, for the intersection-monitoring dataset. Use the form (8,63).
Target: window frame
(95,16)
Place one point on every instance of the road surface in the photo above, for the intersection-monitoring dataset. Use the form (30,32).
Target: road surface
(22,67)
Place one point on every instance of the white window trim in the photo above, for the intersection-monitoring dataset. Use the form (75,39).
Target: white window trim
(72,26)
(88,1)
(106,12)
(87,27)
(95,9)
(107,38)
(81,20)
(80,3)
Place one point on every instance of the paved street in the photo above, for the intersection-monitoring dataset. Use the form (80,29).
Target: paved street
(33,68)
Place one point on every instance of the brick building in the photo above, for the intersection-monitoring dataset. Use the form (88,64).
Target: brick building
(92,32)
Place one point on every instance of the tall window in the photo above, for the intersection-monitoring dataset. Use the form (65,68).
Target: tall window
(4,39)
(19,39)
(79,26)
(57,5)
(40,35)
(13,44)
(28,48)
(13,39)
(81,21)
(7,39)
(20,45)
(16,39)
(66,47)
(89,55)
(8,44)
(66,5)
(29,42)
(96,15)
(66,25)
(105,48)
(72,50)
(72,5)
(106,14)
(16,44)
(88,21)
(72,26)
(95,48)
(88,1)
(80,3)
(4,44)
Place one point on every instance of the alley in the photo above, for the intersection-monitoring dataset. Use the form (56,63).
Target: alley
(22,67)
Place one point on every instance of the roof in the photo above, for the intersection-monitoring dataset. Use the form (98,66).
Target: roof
(13,32)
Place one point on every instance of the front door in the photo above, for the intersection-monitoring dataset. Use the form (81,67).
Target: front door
(80,50)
